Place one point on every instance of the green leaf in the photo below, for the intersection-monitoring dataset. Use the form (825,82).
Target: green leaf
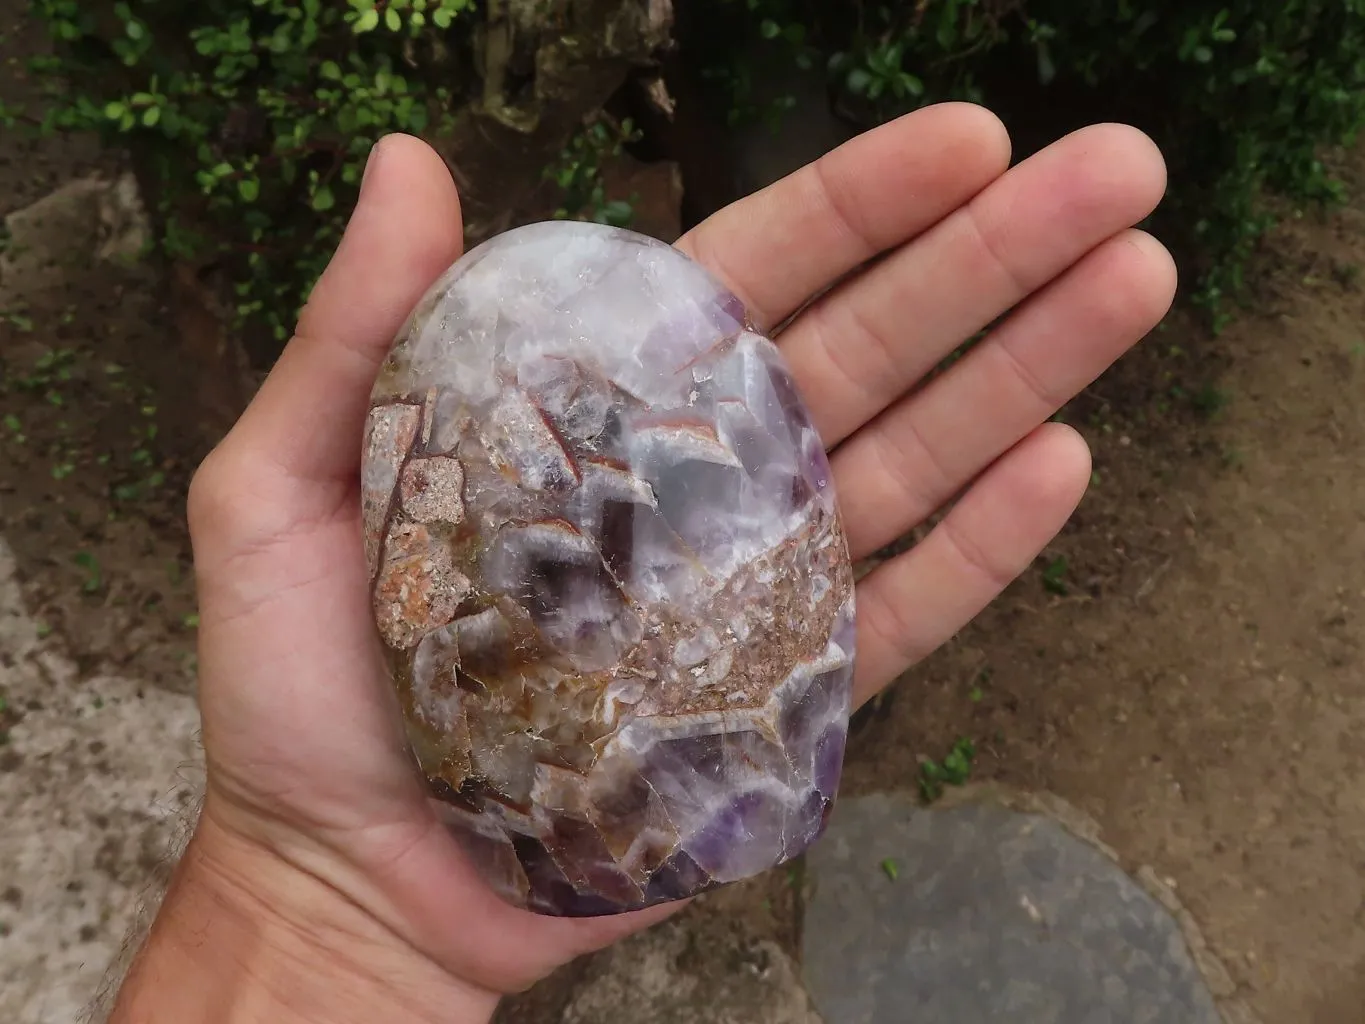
(769,29)
(151,117)
(858,80)
(618,213)
(91,566)
(323,199)
(114,110)
(946,33)
(249,189)
(443,17)
(330,70)
(367,22)
(1047,70)
(957,766)
(1054,576)
(393,20)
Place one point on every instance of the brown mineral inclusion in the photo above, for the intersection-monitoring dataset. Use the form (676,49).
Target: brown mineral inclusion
(608,573)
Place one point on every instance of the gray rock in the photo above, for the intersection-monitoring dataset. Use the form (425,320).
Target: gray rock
(992,915)
(86,220)
(97,778)
(681,974)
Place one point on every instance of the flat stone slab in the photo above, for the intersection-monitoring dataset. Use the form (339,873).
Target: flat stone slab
(982,913)
(96,779)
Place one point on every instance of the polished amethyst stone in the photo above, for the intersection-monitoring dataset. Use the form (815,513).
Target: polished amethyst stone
(608,573)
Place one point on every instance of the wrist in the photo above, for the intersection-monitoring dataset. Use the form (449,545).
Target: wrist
(244,937)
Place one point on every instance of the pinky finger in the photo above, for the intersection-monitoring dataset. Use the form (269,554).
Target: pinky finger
(919,600)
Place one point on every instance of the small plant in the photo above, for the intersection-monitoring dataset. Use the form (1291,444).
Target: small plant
(19,321)
(743,33)
(1209,401)
(578,174)
(954,770)
(1054,576)
(8,718)
(94,578)
(1241,95)
(51,369)
(256,117)
(878,74)
(143,459)
(977,691)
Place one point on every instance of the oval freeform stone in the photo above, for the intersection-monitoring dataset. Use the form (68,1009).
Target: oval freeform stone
(608,573)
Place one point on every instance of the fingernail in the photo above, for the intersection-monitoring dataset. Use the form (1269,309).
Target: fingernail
(370,163)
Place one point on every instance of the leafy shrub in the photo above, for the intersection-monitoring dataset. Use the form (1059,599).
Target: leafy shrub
(1241,95)
(253,118)
(578,172)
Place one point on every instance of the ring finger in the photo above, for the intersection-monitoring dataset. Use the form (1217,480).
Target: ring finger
(904,465)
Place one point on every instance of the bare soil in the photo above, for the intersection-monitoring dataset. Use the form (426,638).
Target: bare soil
(1185,664)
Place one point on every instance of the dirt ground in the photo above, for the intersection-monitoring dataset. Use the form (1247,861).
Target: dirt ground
(89,498)
(1185,665)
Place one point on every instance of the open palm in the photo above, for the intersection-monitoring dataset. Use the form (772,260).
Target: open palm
(301,729)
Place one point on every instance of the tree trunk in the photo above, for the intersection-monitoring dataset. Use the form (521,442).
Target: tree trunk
(546,67)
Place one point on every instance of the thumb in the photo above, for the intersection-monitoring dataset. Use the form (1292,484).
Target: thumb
(301,435)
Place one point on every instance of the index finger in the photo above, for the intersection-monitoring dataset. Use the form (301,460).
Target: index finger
(780,246)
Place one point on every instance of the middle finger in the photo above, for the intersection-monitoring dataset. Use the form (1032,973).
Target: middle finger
(858,349)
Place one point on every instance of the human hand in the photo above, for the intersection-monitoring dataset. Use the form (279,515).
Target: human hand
(316,841)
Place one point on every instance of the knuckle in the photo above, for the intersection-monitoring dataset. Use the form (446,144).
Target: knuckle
(214,501)
(896,630)
(976,556)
